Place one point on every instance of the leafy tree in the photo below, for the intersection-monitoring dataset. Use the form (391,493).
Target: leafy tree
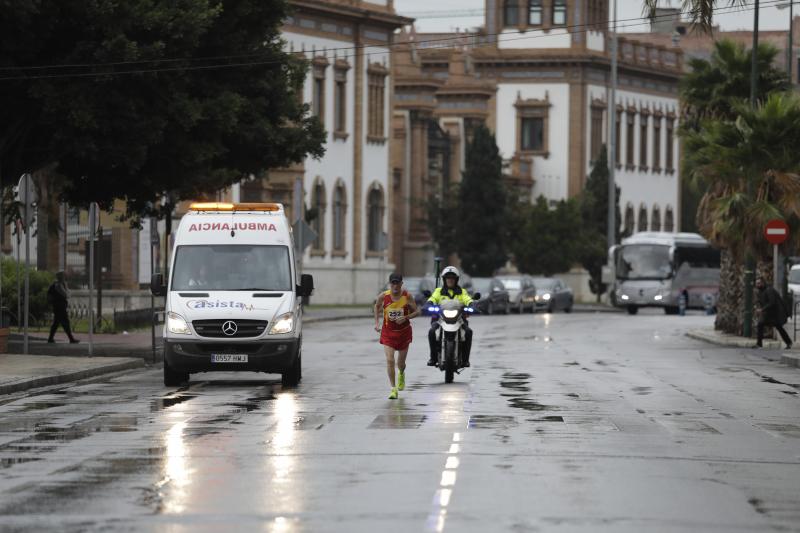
(592,247)
(133,98)
(547,239)
(756,152)
(482,207)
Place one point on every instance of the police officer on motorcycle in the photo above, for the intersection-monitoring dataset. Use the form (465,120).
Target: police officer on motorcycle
(449,290)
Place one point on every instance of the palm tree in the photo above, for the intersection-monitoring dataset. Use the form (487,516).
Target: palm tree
(710,93)
(755,152)
(701,12)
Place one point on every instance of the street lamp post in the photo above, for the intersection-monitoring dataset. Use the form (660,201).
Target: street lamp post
(612,141)
(750,262)
(789,54)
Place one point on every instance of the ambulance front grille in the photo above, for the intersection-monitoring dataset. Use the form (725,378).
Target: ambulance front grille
(221,329)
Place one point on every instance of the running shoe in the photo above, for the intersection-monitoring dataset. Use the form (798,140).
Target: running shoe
(401,381)
(393,394)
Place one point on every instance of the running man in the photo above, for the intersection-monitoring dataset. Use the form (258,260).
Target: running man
(394,310)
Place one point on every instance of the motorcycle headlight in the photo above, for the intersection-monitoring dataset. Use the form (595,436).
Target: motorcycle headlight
(176,324)
(284,324)
(450,313)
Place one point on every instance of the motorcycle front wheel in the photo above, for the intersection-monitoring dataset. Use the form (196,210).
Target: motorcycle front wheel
(449,361)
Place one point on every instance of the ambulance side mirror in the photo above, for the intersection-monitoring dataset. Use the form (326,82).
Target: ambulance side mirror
(157,287)
(306,286)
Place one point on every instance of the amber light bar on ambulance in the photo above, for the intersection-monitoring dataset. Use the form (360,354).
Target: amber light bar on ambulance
(224,206)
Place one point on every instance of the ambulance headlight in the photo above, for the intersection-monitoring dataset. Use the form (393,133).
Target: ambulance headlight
(283,324)
(176,324)
(450,313)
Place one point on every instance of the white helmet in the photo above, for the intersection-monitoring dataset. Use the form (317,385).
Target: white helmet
(451,270)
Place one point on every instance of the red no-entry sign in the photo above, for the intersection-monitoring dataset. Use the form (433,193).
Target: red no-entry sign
(776,231)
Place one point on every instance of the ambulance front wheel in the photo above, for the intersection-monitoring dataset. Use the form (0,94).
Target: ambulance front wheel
(291,377)
(172,377)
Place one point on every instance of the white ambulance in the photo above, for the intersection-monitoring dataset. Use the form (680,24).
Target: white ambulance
(232,298)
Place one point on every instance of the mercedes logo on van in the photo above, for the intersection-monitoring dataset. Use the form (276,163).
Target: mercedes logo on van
(229,328)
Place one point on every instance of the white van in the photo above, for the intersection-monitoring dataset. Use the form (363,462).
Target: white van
(232,301)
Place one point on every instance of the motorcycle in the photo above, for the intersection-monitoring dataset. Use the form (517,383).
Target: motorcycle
(450,335)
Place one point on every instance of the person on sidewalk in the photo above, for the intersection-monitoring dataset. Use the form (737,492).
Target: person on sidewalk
(773,313)
(394,310)
(58,297)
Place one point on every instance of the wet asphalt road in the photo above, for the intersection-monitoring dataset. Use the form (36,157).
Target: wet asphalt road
(590,422)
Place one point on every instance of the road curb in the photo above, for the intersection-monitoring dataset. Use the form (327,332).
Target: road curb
(68,377)
(733,341)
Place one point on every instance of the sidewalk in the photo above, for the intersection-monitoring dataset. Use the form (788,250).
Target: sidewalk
(788,357)
(22,372)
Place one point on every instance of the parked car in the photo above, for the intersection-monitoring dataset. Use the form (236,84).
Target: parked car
(552,294)
(794,281)
(521,292)
(494,296)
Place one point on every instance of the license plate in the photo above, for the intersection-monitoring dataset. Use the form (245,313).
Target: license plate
(228,358)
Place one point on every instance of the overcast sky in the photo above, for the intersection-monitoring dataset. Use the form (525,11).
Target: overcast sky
(446,15)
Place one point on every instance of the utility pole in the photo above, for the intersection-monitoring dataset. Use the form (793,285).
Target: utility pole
(612,140)
(750,263)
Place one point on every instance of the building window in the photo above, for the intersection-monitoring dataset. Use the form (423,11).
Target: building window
(617,138)
(511,13)
(376,103)
(669,163)
(596,132)
(318,98)
(532,121)
(643,118)
(629,137)
(642,226)
(375,210)
(657,143)
(340,99)
(339,217)
(669,220)
(630,221)
(655,220)
(318,204)
(559,12)
(535,12)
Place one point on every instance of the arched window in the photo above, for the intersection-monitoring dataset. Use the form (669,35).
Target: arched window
(630,220)
(642,226)
(655,219)
(534,12)
(375,208)
(318,204)
(669,219)
(339,217)
(559,12)
(511,13)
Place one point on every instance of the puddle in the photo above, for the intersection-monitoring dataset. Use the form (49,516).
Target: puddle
(768,379)
(169,401)
(572,395)
(642,391)
(547,419)
(397,421)
(758,505)
(491,422)
(38,406)
(7,462)
(573,363)
(527,404)
(244,406)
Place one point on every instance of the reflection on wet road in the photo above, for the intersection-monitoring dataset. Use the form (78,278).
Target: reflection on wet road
(564,423)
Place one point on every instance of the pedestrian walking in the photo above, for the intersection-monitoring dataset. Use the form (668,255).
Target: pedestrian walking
(773,313)
(58,297)
(394,310)
(683,301)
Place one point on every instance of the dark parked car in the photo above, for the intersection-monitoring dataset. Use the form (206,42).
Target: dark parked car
(521,292)
(552,294)
(494,296)
(416,287)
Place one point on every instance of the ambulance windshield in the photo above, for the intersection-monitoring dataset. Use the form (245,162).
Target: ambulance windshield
(231,267)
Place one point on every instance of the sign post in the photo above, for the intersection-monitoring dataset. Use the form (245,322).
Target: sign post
(27,197)
(92,236)
(776,231)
